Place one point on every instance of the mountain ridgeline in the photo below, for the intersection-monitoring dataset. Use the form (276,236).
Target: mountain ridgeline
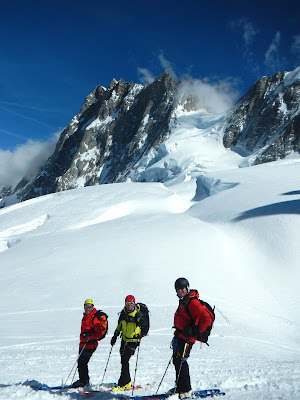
(104,141)
(266,121)
(119,125)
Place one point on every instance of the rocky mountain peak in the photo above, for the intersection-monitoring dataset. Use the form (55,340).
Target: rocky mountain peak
(265,122)
(112,83)
(113,130)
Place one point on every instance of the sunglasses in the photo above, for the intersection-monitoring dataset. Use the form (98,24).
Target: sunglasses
(88,306)
(129,303)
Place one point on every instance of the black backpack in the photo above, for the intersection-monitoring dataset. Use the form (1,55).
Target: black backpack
(146,319)
(100,314)
(202,336)
(142,316)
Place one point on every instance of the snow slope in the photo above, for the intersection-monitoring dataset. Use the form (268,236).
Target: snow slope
(233,232)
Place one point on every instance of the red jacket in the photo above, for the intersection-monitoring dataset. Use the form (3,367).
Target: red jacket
(199,313)
(96,326)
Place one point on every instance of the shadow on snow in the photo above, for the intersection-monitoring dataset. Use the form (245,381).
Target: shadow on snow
(291,193)
(285,207)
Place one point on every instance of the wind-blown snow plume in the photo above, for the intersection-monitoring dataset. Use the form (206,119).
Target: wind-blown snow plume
(145,76)
(215,98)
(167,65)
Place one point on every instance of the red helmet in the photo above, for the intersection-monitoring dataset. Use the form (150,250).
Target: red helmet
(130,297)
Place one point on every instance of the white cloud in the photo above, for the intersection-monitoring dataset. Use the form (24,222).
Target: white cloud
(145,76)
(248,32)
(167,65)
(272,58)
(214,97)
(25,160)
(296,46)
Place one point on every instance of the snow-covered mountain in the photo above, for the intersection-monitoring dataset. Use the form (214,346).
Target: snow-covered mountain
(233,232)
(113,130)
(127,132)
(266,121)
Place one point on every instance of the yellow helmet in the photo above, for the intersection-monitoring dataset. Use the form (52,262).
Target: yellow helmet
(89,301)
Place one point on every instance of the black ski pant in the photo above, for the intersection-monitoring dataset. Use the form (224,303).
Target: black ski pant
(83,361)
(127,349)
(181,351)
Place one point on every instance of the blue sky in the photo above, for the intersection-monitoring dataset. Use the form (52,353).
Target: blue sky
(55,52)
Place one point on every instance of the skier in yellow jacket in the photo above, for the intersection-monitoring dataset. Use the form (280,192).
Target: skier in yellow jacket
(131,325)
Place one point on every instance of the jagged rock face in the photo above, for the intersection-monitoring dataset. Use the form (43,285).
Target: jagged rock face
(266,120)
(119,127)
(5,191)
(113,130)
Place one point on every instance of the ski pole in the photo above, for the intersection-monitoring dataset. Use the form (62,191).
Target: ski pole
(64,385)
(137,357)
(164,374)
(73,377)
(182,359)
(106,365)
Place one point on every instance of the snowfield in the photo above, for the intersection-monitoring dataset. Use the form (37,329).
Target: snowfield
(233,232)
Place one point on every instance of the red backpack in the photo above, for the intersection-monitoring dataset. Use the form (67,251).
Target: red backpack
(202,336)
(102,316)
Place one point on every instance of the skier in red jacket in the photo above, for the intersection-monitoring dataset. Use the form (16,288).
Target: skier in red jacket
(184,336)
(93,329)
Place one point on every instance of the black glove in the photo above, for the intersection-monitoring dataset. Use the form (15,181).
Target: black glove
(188,331)
(114,338)
(86,333)
(142,334)
(139,336)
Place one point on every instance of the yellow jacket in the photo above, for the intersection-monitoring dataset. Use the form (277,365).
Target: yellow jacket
(129,324)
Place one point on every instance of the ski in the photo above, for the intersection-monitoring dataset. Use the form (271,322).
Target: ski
(203,393)
(108,387)
(207,393)
(41,386)
(195,394)
(53,388)
(35,385)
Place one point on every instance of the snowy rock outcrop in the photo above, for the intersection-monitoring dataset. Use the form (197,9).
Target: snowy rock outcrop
(266,121)
(113,130)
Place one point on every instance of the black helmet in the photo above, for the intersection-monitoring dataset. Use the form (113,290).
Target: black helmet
(182,283)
